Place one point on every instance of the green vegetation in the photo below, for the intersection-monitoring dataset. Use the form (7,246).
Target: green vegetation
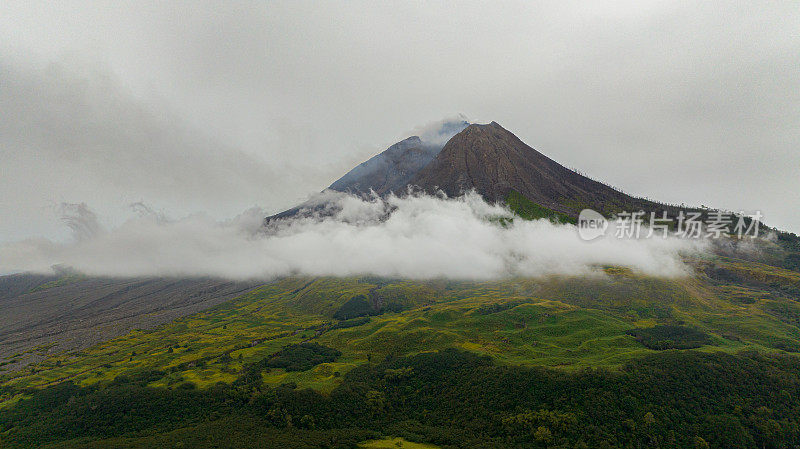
(615,360)
(570,323)
(350,323)
(301,357)
(790,243)
(497,307)
(63,280)
(395,443)
(355,307)
(529,210)
(670,337)
(449,399)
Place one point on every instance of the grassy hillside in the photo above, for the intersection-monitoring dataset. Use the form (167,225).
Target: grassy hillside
(449,399)
(569,323)
(365,344)
(529,210)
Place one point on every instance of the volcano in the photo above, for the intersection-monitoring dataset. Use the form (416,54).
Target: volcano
(489,160)
(495,163)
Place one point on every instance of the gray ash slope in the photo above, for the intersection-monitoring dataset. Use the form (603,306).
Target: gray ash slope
(393,169)
(390,171)
(57,313)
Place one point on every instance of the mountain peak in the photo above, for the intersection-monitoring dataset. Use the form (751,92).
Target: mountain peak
(413,140)
(490,160)
(494,162)
(488,130)
(391,170)
(485,126)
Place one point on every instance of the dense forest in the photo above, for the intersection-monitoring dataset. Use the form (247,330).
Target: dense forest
(672,399)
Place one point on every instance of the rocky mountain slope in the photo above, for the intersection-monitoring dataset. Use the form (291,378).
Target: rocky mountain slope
(491,161)
(494,162)
(390,171)
(41,315)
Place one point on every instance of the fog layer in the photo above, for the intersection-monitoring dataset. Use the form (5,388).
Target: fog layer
(413,237)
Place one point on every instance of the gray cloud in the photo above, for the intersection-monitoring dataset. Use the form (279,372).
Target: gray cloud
(440,131)
(210,107)
(423,237)
(84,138)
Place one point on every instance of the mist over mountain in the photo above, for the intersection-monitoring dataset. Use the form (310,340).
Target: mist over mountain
(393,169)
(222,226)
(414,236)
(441,204)
(390,170)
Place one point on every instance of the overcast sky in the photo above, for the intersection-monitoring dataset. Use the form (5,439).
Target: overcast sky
(217,107)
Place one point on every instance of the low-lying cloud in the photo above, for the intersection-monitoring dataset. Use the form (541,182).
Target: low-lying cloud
(69,133)
(440,131)
(417,236)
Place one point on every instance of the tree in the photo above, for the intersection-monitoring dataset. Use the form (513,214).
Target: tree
(376,401)
(542,434)
(700,443)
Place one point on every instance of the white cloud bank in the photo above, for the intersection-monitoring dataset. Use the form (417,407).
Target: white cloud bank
(413,237)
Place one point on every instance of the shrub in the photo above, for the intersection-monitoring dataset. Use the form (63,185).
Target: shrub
(670,337)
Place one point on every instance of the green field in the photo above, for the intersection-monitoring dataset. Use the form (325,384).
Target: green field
(395,443)
(569,323)
(281,363)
